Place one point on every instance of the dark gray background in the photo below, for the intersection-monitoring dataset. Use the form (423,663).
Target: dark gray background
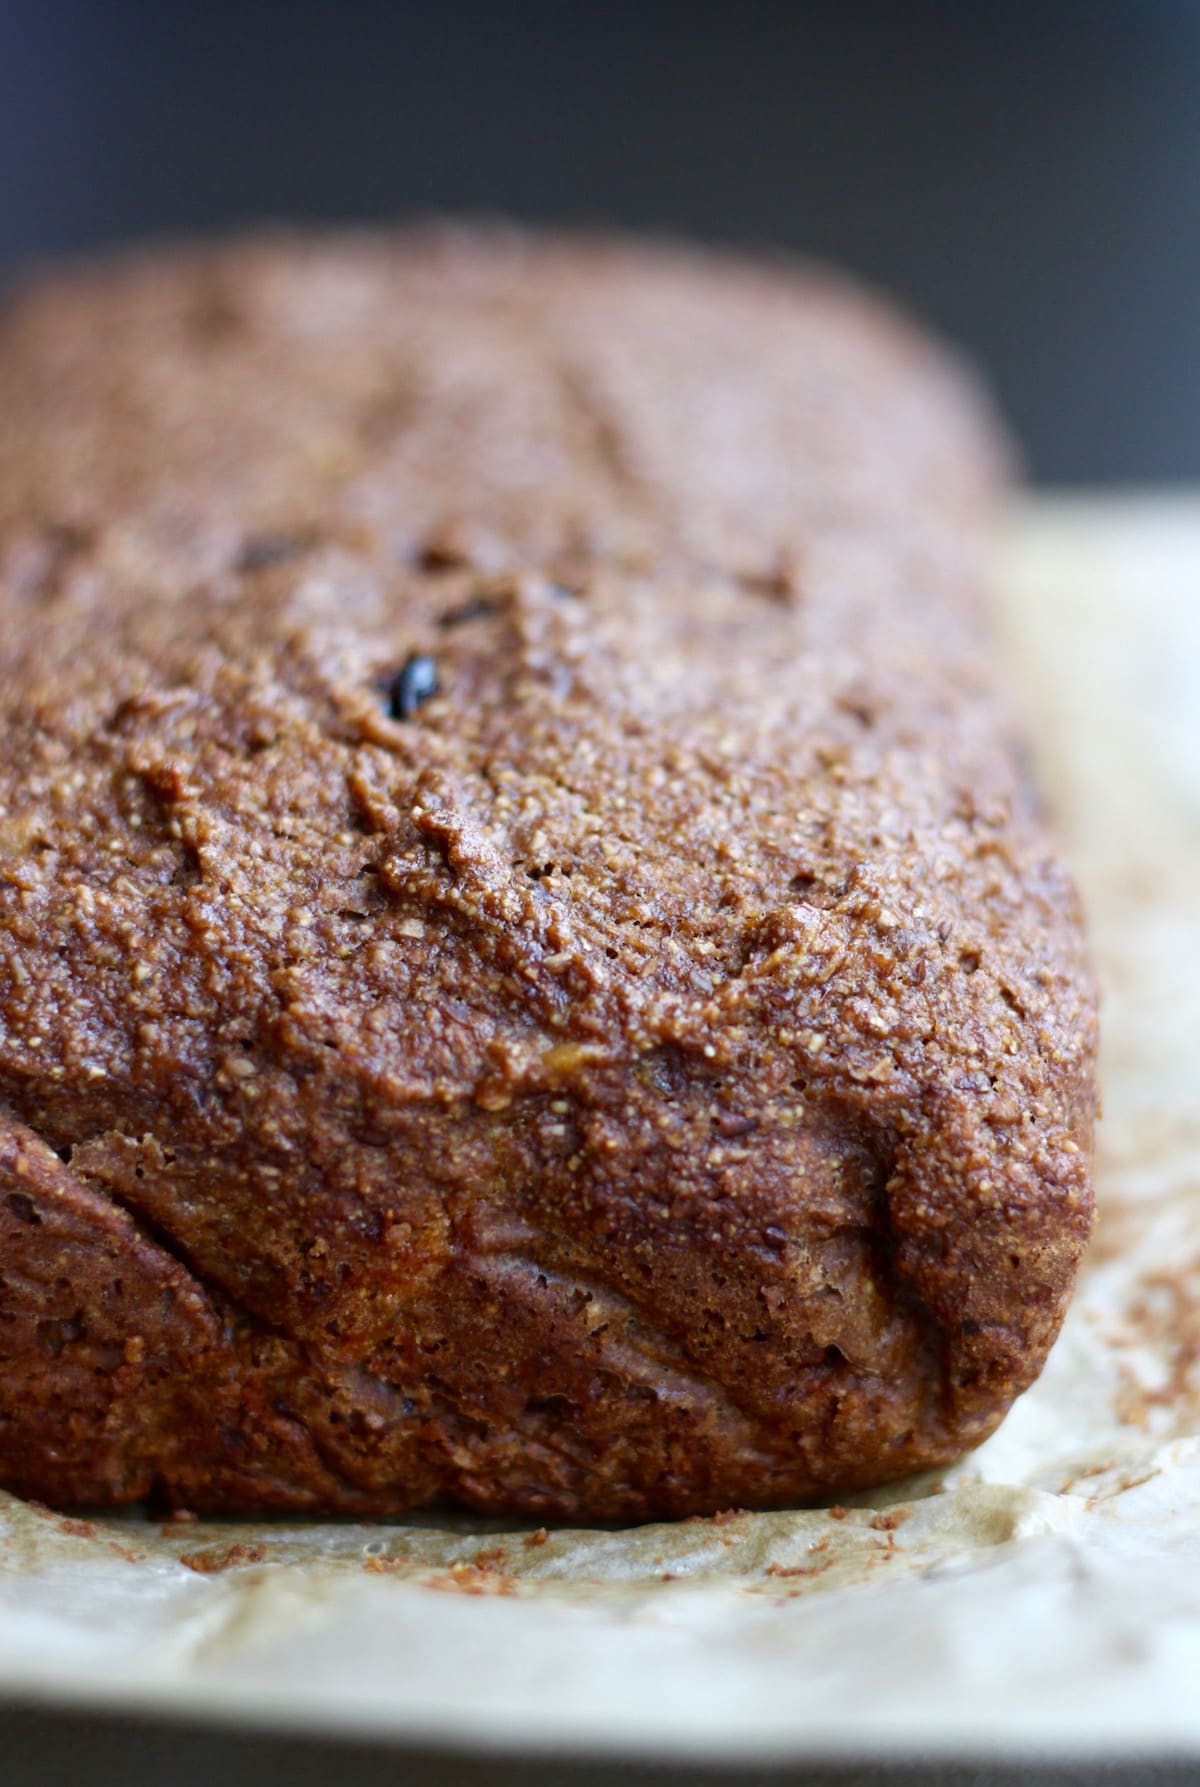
(80,1751)
(1027,174)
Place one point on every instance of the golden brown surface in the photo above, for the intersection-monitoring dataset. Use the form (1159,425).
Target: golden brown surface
(654,1074)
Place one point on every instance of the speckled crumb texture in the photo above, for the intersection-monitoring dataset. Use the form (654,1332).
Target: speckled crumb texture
(530,970)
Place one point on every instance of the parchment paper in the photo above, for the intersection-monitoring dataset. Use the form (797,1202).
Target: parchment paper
(1043,1595)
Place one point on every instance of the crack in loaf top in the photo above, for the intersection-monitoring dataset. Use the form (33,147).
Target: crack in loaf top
(544,685)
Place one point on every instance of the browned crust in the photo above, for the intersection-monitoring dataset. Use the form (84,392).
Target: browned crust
(654,1075)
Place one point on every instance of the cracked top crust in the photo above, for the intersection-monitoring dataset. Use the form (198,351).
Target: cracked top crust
(637,1061)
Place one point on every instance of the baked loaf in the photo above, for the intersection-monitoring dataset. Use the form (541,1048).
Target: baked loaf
(530,973)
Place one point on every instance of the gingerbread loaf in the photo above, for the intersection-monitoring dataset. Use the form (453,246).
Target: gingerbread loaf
(531,974)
